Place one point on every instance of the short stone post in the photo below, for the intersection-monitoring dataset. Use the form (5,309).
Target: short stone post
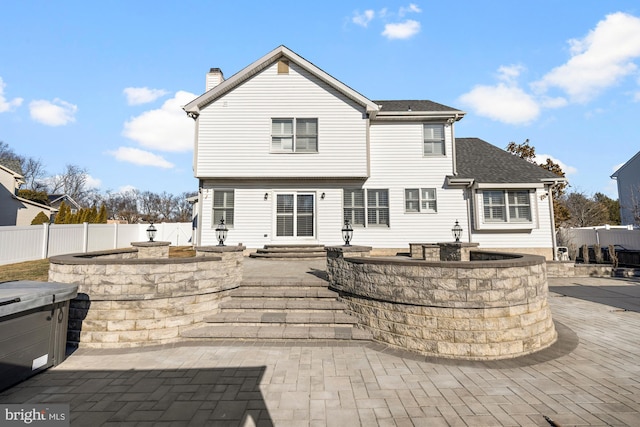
(456,251)
(152,249)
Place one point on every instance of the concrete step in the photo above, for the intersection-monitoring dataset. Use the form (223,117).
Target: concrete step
(282,292)
(281,304)
(291,252)
(258,318)
(289,332)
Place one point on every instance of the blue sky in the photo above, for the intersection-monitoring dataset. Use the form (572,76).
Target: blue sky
(100,84)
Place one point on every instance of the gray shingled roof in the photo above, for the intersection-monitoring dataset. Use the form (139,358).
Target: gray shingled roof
(415,105)
(13,164)
(485,163)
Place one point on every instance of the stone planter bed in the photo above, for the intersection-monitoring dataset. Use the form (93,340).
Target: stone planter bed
(491,307)
(129,298)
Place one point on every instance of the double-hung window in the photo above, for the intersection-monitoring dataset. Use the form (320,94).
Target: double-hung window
(353,200)
(506,206)
(366,207)
(433,139)
(420,200)
(223,201)
(294,135)
(378,207)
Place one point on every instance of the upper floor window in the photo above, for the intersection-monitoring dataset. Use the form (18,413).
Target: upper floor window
(294,135)
(420,200)
(506,206)
(223,201)
(433,139)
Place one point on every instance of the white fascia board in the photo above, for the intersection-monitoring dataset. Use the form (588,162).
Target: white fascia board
(420,115)
(31,202)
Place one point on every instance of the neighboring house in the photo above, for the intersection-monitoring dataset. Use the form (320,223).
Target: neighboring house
(285,153)
(16,210)
(55,200)
(628,179)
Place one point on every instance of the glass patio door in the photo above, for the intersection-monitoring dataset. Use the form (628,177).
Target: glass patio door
(295,215)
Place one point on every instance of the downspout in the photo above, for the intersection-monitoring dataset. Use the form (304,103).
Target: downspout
(453,145)
(469,194)
(553,224)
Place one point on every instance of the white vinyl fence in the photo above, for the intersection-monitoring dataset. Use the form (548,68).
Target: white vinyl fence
(33,242)
(627,238)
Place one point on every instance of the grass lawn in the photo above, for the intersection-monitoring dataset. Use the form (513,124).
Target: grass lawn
(39,270)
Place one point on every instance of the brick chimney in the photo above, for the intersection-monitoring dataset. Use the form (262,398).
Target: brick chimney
(214,78)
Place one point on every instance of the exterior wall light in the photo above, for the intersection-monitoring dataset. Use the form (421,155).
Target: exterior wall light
(266,196)
(457,231)
(151,232)
(221,232)
(322,196)
(347,233)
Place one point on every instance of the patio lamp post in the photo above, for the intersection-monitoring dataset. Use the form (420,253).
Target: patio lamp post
(457,231)
(151,232)
(347,233)
(221,232)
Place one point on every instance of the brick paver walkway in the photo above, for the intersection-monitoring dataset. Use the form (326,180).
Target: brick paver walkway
(591,377)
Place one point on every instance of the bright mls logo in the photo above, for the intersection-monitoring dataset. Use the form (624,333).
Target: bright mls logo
(55,415)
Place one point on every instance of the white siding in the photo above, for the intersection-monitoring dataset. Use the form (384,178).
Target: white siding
(234,132)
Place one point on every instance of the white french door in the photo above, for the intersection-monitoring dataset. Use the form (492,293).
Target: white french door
(295,215)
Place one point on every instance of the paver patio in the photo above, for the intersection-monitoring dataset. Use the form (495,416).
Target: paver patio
(590,377)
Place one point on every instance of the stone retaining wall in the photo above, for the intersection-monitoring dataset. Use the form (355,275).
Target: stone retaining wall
(128,302)
(488,309)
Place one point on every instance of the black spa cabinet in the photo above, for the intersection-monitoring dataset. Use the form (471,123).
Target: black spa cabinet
(33,328)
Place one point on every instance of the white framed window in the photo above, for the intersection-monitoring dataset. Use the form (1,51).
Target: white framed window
(505,209)
(223,202)
(420,200)
(378,207)
(366,207)
(289,135)
(354,209)
(433,139)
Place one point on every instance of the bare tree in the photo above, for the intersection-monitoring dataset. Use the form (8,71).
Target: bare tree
(34,174)
(584,211)
(72,181)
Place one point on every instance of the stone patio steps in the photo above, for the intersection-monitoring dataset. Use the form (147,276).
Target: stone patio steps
(304,309)
(281,252)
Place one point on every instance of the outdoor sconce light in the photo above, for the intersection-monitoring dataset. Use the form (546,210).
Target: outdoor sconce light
(347,233)
(221,232)
(266,196)
(322,196)
(151,232)
(457,231)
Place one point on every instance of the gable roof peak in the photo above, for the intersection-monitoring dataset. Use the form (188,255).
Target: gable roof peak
(193,108)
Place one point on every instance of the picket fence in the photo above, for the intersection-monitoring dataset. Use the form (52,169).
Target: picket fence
(34,242)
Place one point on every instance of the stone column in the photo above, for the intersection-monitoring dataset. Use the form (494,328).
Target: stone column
(152,249)
(456,251)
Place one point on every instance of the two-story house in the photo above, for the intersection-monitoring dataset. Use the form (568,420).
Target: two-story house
(285,153)
(15,210)
(628,181)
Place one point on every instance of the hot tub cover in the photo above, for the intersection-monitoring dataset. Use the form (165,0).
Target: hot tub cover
(23,295)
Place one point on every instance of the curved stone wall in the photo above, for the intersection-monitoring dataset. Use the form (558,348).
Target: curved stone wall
(492,307)
(124,301)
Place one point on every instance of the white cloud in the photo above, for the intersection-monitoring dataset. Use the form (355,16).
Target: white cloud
(140,157)
(53,113)
(412,8)
(6,105)
(126,189)
(142,95)
(503,102)
(542,159)
(599,60)
(401,30)
(92,182)
(364,18)
(167,128)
